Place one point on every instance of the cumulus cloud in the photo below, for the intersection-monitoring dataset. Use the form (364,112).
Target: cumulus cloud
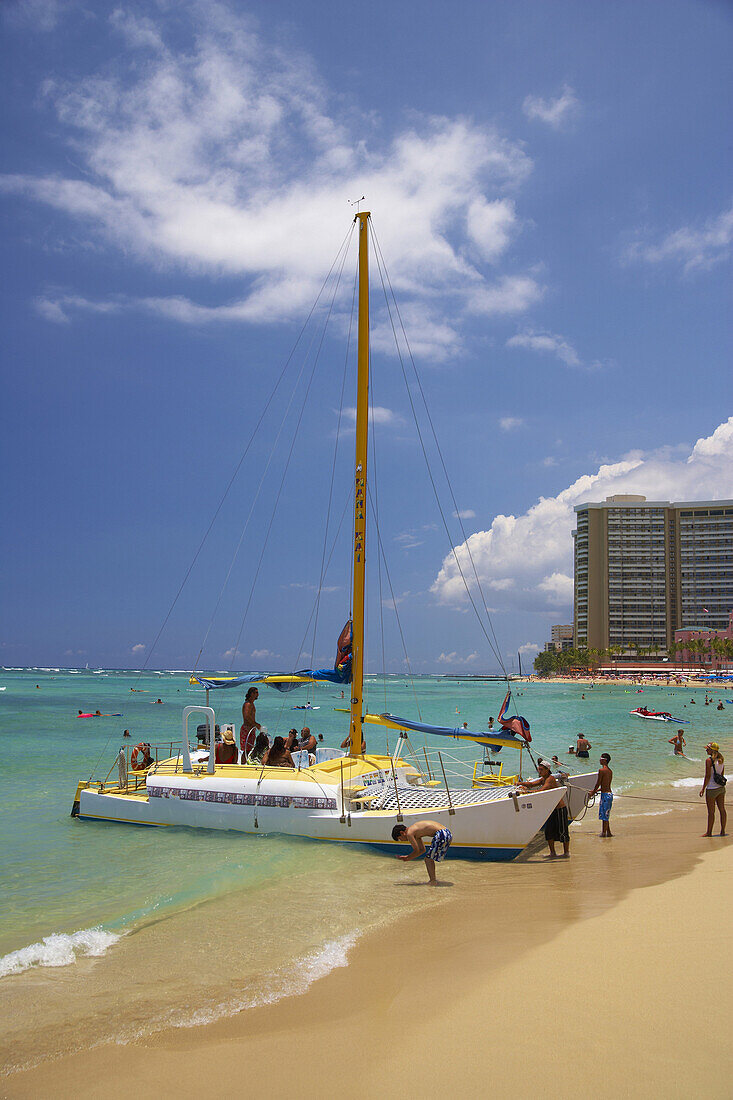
(529,647)
(509,423)
(528,559)
(550,343)
(465,513)
(263,654)
(695,248)
(138,648)
(457,659)
(490,226)
(201,158)
(554,112)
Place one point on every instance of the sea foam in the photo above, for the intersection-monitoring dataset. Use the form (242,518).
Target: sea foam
(58,949)
(291,981)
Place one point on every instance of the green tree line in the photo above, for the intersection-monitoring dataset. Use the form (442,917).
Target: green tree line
(700,652)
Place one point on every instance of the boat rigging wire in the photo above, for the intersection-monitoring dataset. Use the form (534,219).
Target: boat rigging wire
(290,455)
(255,499)
(244,454)
(394,604)
(379,559)
(335,455)
(493,644)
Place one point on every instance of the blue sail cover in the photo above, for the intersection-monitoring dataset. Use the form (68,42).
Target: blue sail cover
(501,737)
(339,674)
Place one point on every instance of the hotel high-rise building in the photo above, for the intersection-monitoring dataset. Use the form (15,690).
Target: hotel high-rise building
(561,638)
(644,569)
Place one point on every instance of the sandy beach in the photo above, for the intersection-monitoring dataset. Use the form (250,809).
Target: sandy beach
(593,972)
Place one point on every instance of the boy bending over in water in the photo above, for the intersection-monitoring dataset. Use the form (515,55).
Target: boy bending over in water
(436,851)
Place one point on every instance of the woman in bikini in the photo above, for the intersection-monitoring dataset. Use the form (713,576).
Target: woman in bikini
(713,789)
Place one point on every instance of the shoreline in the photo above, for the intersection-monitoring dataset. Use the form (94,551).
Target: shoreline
(422,982)
(625,681)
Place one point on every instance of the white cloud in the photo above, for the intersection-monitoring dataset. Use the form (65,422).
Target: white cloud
(377,415)
(52,310)
(490,226)
(509,423)
(202,159)
(697,249)
(551,343)
(528,559)
(407,540)
(511,294)
(430,334)
(393,604)
(457,659)
(529,647)
(465,513)
(263,654)
(550,460)
(557,589)
(138,648)
(313,587)
(552,111)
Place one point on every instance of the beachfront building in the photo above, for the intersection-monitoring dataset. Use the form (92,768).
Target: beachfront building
(561,638)
(709,652)
(645,569)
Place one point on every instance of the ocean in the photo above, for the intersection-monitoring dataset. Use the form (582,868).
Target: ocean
(111,932)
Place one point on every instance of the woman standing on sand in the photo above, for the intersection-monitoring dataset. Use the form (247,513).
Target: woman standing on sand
(713,787)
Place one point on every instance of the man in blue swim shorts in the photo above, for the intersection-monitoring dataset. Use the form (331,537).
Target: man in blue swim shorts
(437,849)
(603,784)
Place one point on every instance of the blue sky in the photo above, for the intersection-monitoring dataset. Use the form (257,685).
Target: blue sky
(550,184)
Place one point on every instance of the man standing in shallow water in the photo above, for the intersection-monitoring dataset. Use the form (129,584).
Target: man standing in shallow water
(436,851)
(557,826)
(603,784)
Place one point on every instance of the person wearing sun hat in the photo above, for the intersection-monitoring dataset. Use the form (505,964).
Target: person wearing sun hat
(713,787)
(226,751)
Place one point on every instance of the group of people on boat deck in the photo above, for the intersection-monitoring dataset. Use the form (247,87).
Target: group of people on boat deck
(257,748)
(255,744)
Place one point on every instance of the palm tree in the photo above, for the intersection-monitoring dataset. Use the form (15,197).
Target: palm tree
(717,646)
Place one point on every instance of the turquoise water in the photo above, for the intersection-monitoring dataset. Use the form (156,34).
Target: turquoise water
(60,874)
(96,916)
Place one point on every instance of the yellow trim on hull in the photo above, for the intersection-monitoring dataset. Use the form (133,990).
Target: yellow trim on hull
(129,821)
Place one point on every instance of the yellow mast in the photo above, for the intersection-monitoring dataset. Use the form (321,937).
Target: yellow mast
(360,488)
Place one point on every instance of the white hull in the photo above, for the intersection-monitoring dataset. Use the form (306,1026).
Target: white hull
(496,826)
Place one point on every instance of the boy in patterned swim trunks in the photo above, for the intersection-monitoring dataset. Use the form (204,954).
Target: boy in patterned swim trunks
(603,784)
(436,850)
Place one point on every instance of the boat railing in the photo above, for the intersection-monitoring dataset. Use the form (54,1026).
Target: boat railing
(439,767)
(130,777)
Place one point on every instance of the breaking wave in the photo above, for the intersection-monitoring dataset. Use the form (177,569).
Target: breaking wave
(58,949)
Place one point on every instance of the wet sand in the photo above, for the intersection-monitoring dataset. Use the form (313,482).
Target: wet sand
(588,973)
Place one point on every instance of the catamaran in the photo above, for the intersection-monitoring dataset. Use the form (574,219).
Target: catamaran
(349,796)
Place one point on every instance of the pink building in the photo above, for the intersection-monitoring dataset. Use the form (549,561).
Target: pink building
(711,659)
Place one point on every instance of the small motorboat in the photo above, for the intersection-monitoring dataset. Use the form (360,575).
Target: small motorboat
(656,715)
